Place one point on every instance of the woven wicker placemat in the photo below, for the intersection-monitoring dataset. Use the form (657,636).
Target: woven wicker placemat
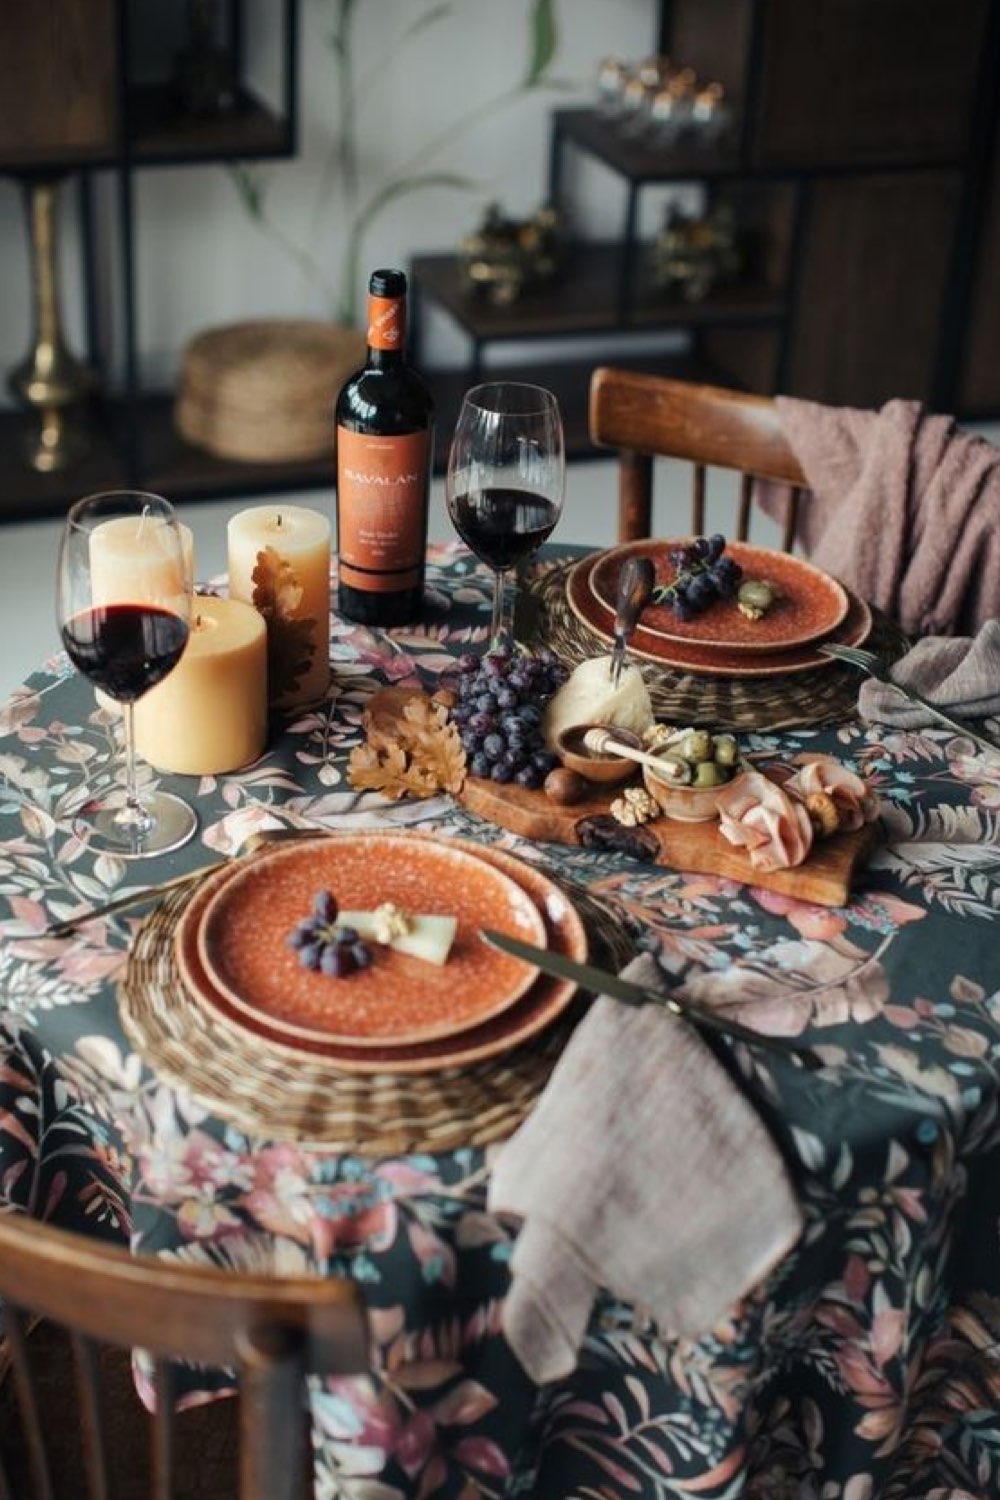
(278,1091)
(800,700)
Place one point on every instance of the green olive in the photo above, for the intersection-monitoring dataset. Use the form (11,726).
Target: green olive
(697,747)
(725,749)
(709,774)
(756,596)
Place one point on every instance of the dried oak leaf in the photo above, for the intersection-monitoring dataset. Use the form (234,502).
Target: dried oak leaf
(291,642)
(388,771)
(413,749)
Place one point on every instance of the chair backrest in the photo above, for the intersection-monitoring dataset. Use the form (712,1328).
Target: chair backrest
(644,416)
(273,1331)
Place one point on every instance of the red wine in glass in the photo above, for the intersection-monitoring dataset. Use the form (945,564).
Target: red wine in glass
(123,602)
(125,649)
(505,480)
(502,526)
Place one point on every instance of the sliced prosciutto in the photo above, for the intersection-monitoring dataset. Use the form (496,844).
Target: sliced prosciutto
(760,817)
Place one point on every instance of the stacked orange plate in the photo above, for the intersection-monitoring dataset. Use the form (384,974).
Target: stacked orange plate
(402,1014)
(812,607)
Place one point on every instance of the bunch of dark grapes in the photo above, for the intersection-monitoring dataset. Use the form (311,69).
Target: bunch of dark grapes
(499,713)
(323,946)
(704,572)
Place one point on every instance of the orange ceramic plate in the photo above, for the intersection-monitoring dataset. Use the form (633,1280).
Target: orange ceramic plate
(711,661)
(539,1008)
(242,939)
(811,604)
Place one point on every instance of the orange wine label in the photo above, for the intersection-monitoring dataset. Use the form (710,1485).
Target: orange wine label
(386,323)
(381,508)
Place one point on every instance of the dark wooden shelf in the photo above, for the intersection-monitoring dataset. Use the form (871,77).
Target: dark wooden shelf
(183,473)
(583,300)
(641,159)
(158,137)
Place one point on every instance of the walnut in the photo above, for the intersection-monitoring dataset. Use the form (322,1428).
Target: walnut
(823,813)
(660,736)
(389,921)
(634,807)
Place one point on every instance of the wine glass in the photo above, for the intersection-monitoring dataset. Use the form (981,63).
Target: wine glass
(505,481)
(123,603)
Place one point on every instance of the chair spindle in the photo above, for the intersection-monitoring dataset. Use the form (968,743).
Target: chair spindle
(92,1429)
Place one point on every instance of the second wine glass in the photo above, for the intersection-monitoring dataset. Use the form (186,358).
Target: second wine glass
(506,478)
(123,603)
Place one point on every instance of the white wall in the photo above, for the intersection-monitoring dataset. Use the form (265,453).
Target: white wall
(202,262)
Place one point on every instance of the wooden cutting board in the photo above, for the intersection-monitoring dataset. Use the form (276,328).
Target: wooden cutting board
(824,878)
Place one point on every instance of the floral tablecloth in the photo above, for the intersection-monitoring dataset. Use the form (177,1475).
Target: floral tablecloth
(869,1364)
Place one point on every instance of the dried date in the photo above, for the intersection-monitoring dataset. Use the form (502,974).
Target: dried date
(604,832)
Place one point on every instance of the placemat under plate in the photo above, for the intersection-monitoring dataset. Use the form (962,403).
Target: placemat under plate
(271,1092)
(803,700)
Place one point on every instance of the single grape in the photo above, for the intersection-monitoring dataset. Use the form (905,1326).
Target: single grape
(506,697)
(701,548)
(310,955)
(331,962)
(362,955)
(544,761)
(716,546)
(348,935)
(486,703)
(502,772)
(493,747)
(700,592)
(325,906)
(479,765)
(530,714)
(530,777)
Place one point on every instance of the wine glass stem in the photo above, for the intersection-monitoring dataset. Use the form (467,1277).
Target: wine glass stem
(501,628)
(133,815)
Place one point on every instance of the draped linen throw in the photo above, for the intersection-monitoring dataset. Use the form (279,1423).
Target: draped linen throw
(955,672)
(905,509)
(642,1169)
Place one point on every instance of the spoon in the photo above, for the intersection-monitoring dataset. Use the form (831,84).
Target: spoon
(602,742)
(153,892)
(635,585)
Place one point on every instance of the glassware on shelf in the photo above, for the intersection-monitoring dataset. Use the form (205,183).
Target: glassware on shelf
(123,604)
(505,480)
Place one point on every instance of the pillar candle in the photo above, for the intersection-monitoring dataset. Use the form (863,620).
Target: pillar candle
(279,561)
(133,561)
(210,714)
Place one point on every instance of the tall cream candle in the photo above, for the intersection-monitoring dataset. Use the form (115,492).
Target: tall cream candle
(279,561)
(210,714)
(133,561)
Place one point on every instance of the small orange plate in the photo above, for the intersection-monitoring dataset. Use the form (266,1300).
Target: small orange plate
(242,939)
(542,1005)
(810,604)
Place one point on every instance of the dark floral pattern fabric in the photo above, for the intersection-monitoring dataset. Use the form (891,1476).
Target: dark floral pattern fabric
(867,1365)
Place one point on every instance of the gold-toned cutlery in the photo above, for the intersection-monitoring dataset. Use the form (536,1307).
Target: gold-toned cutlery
(256,841)
(598,982)
(879,668)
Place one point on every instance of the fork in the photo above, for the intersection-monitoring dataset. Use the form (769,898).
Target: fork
(878,667)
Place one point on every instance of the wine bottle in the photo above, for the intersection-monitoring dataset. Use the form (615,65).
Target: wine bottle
(385,430)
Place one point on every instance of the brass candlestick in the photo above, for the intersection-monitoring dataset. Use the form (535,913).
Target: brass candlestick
(51,380)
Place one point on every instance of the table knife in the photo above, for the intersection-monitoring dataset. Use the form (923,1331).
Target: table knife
(600,983)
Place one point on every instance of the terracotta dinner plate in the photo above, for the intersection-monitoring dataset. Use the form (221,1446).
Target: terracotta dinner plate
(540,1007)
(810,603)
(711,661)
(242,939)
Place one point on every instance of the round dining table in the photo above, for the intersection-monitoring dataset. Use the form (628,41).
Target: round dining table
(868,1361)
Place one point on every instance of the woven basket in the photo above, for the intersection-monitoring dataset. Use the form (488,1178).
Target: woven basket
(264,391)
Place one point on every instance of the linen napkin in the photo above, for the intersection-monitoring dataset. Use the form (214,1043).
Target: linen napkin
(904,509)
(960,673)
(642,1169)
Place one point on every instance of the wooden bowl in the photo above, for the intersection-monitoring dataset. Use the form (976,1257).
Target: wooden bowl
(606,770)
(687,804)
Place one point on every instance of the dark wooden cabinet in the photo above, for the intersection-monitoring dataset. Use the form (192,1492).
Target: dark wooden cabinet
(864,173)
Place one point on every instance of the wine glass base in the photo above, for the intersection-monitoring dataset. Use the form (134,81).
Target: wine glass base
(170,823)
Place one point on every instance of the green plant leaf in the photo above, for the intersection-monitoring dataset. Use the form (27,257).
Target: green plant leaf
(544,41)
(250,190)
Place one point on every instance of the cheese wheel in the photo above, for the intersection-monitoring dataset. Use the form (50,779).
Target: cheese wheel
(589,696)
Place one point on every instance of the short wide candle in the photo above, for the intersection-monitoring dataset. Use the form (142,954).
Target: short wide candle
(209,715)
(279,561)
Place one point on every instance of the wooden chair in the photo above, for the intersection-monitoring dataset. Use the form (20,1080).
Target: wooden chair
(272,1330)
(643,416)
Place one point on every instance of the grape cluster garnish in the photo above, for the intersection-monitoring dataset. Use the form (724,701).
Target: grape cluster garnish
(324,947)
(704,572)
(499,713)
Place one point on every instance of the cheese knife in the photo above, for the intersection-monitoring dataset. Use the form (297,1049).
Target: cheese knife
(635,586)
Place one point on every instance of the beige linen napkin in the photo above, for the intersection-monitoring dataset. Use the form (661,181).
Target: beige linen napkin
(643,1169)
(959,673)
